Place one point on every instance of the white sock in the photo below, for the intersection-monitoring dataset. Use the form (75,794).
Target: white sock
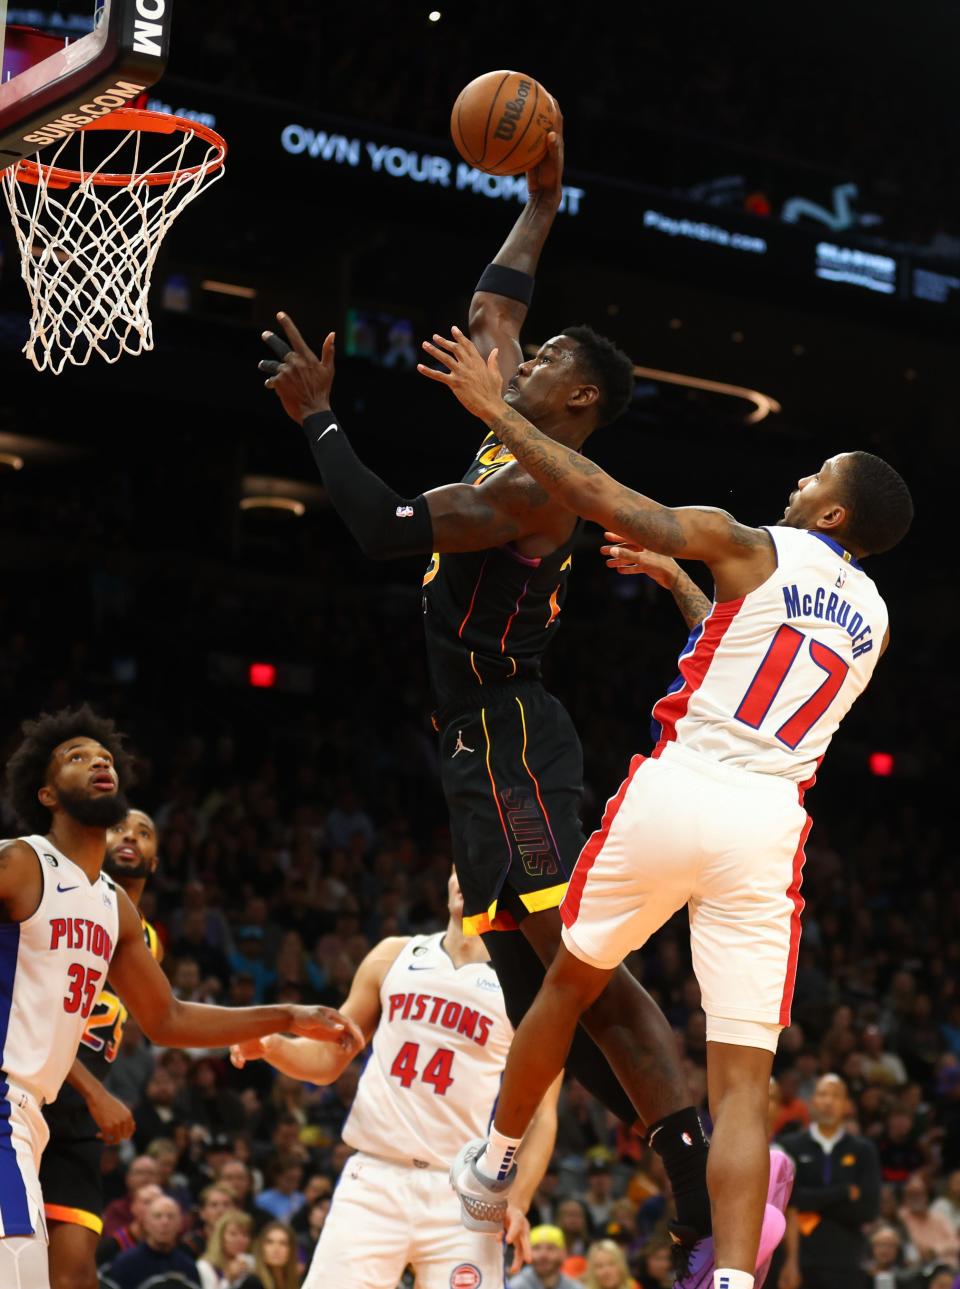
(497,1159)
(732,1280)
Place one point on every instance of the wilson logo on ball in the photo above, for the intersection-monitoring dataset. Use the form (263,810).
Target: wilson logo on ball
(512,112)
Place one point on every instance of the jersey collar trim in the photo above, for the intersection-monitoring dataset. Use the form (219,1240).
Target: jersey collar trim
(835,546)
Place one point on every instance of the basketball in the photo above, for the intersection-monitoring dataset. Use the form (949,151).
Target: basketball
(500,122)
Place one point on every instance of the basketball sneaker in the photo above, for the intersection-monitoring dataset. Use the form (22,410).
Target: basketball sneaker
(782,1173)
(693,1258)
(483,1200)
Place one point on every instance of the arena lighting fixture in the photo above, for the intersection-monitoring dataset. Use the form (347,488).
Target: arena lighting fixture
(11,461)
(289,504)
(763,404)
(228,288)
(269,492)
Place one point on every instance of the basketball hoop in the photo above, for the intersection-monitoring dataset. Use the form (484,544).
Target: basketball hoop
(89,234)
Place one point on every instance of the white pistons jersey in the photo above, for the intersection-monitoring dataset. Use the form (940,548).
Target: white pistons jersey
(52,968)
(433,1073)
(766,680)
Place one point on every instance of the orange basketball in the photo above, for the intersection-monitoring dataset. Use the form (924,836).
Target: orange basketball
(500,122)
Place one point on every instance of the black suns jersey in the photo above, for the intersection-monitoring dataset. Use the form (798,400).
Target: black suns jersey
(490,615)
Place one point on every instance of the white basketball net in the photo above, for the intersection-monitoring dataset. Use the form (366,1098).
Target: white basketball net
(87,251)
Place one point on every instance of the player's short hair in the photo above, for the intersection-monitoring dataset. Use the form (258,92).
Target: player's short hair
(608,367)
(881,508)
(27,768)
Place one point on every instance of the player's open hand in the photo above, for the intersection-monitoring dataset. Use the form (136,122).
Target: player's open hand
(477,384)
(253,1049)
(326,1025)
(627,557)
(516,1233)
(547,177)
(113,1119)
(302,381)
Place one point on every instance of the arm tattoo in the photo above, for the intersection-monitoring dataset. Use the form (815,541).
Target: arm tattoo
(655,528)
(690,600)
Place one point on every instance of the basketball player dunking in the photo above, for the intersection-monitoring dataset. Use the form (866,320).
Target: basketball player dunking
(85,1115)
(63,926)
(510,756)
(714,818)
(434,1013)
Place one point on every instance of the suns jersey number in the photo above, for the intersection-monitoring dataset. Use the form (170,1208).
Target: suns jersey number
(104,1030)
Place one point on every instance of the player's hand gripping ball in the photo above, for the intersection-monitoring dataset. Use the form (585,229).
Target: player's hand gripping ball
(500,122)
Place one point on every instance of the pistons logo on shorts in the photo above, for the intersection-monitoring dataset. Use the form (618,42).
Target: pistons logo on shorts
(466,1276)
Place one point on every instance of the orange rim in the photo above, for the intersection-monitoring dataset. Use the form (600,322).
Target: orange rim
(129,118)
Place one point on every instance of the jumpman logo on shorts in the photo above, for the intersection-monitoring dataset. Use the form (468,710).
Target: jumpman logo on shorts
(460,745)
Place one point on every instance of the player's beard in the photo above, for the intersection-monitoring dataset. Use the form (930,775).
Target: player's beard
(126,872)
(94,812)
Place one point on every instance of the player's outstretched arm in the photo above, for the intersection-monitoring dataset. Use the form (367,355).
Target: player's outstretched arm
(458,517)
(627,558)
(113,1119)
(741,556)
(322,1063)
(503,294)
(146,992)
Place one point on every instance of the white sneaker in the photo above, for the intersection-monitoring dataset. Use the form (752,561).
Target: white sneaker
(483,1200)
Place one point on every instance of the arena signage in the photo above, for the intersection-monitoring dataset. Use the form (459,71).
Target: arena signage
(414,166)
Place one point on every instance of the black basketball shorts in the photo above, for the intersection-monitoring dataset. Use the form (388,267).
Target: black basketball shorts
(512,774)
(70,1176)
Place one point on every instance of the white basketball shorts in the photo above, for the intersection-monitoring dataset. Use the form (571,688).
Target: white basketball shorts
(23,1230)
(385,1216)
(726,842)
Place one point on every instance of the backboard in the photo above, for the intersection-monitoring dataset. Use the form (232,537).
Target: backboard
(68,62)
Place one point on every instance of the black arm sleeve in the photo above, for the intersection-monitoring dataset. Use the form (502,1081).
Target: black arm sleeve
(384,524)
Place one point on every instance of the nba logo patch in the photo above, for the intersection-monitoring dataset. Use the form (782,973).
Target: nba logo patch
(686,1138)
(466,1276)
(404,512)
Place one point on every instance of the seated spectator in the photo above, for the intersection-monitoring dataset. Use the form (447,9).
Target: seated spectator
(932,1235)
(275,1257)
(126,1237)
(573,1221)
(236,1176)
(655,1265)
(142,1171)
(207,1102)
(309,1231)
(159,1252)
(248,960)
(885,1267)
(599,1194)
(156,1114)
(547,1255)
(173,1182)
(214,1202)
(227,1262)
(284,1197)
(899,1150)
(793,1114)
(607,1267)
(948,1205)
(879,1065)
